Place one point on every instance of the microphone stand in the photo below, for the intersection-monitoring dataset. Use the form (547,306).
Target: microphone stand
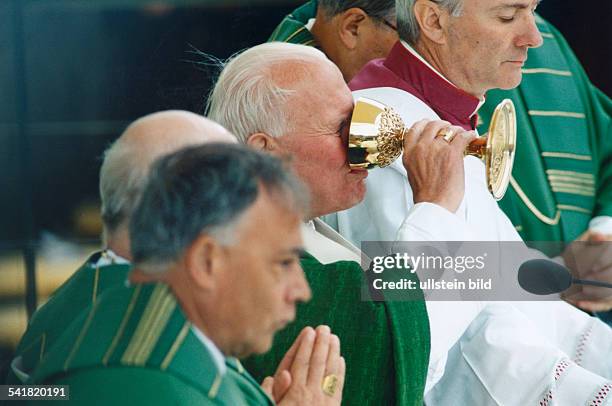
(591,283)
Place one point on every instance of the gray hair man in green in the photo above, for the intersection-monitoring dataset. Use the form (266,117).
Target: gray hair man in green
(215,242)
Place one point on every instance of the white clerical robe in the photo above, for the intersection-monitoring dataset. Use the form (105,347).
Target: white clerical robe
(482,353)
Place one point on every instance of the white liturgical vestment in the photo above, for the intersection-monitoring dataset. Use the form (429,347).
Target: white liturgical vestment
(482,353)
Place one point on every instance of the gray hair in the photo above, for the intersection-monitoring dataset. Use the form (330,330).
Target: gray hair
(407,25)
(379,9)
(121,183)
(204,189)
(252,91)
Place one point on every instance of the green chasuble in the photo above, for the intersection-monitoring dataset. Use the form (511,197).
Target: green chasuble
(134,346)
(66,303)
(385,344)
(293,27)
(562,174)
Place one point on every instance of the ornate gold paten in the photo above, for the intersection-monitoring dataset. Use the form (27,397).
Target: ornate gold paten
(377,134)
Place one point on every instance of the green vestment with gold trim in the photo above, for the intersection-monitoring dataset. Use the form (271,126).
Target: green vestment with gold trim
(562,174)
(134,346)
(385,344)
(66,303)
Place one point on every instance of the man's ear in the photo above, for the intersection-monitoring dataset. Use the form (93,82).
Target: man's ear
(432,20)
(263,142)
(203,262)
(349,24)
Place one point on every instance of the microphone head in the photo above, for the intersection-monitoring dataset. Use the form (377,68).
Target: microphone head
(543,277)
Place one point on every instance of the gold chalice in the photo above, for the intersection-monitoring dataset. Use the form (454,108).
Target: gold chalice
(377,134)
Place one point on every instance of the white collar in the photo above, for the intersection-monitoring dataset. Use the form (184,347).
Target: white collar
(310,23)
(326,245)
(108,257)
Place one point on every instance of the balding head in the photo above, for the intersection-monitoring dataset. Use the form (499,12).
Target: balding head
(127,162)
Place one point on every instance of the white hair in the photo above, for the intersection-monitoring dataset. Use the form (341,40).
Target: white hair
(407,25)
(252,92)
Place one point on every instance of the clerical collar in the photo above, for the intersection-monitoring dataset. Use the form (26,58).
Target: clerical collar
(432,87)
(214,351)
(108,257)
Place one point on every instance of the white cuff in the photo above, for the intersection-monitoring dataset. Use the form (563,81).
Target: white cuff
(601,224)
(430,222)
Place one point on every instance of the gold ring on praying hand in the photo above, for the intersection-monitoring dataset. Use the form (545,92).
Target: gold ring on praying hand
(447,134)
(330,384)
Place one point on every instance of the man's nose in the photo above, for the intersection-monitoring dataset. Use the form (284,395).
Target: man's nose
(531,36)
(302,292)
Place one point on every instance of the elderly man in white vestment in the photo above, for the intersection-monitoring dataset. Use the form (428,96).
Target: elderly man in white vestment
(451,53)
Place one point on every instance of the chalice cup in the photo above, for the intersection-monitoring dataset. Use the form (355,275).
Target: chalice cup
(376,139)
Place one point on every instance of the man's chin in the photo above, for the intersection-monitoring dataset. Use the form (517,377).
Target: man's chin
(511,81)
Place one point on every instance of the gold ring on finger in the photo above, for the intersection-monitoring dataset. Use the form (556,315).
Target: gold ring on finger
(330,384)
(447,134)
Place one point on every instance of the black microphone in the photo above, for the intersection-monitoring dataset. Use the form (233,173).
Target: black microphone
(544,277)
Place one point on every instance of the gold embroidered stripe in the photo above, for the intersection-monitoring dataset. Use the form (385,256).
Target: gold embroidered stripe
(126,317)
(518,228)
(566,155)
(156,315)
(159,324)
(214,388)
(140,333)
(81,336)
(288,39)
(42,346)
(310,42)
(547,35)
(573,190)
(175,346)
(547,70)
(573,174)
(569,114)
(569,207)
(561,185)
(551,221)
(95,286)
(571,180)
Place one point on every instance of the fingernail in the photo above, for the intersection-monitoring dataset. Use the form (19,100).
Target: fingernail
(323,328)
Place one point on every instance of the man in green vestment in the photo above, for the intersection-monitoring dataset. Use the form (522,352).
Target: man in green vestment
(291,101)
(215,241)
(351,32)
(561,187)
(122,178)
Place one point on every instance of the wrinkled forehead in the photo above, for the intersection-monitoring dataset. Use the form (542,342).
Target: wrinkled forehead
(324,91)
